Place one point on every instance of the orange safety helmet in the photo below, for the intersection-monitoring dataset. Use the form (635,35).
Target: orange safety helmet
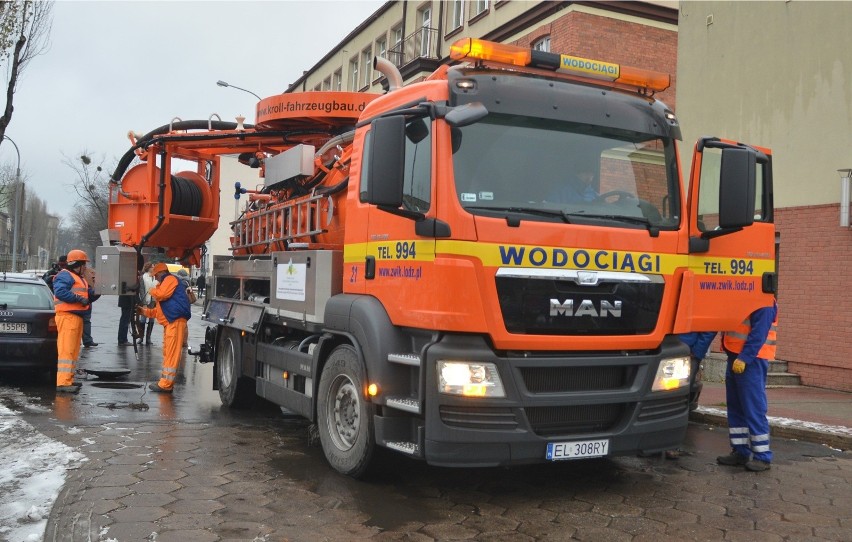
(158,268)
(77,257)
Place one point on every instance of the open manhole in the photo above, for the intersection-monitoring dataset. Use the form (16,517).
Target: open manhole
(117,385)
(108,374)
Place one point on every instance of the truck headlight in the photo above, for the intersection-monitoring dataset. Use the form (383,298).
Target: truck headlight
(673,373)
(470,379)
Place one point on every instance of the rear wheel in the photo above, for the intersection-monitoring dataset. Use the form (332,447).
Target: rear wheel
(344,417)
(235,390)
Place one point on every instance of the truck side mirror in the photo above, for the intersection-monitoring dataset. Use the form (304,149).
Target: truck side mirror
(385,162)
(737,187)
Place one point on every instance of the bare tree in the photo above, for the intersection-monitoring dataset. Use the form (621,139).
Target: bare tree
(24,34)
(7,184)
(90,212)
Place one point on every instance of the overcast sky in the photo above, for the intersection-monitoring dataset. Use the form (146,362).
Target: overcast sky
(117,66)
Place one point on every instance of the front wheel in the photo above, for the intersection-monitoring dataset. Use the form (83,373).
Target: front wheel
(344,417)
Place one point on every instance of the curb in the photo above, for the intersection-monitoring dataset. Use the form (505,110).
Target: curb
(835,436)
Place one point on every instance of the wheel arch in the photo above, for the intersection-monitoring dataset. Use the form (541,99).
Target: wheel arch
(362,322)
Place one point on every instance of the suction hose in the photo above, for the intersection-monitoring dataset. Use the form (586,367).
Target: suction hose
(145,140)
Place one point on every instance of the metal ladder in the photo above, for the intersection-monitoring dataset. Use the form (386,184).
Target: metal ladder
(283,222)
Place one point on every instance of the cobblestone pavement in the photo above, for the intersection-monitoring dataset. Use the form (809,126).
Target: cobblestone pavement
(258,479)
(180,468)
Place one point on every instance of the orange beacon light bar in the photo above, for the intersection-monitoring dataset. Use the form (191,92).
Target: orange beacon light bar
(475,49)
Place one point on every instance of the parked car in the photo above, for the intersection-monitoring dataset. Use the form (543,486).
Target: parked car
(27,325)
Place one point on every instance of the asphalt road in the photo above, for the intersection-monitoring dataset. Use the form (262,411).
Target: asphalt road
(180,467)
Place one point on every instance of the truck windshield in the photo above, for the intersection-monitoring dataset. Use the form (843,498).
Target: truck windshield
(524,166)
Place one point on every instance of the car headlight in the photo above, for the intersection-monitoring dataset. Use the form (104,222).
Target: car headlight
(470,379)
(673,373)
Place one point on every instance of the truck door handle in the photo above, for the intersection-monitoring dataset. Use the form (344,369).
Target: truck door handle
(370,268)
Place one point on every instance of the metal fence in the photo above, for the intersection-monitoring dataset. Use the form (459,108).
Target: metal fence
(419,44)
(30,262)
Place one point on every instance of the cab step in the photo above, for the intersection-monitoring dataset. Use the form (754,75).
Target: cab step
(405,359)
(404,403)
(410,448)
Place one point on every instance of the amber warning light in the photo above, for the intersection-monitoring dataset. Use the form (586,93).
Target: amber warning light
(474,49)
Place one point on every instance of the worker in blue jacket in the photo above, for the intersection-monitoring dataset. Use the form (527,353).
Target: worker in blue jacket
(698,343)
(750,347)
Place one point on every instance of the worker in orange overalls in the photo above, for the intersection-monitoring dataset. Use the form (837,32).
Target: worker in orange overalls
(172,311)
(72,298)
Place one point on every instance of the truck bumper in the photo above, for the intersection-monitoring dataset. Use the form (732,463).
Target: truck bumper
(552,399)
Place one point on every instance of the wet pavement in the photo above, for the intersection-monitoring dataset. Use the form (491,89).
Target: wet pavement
(181,467)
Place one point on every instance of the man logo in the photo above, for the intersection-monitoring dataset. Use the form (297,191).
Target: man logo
(586,308)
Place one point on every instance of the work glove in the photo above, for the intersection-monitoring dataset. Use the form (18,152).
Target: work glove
(83,301)
(738,366)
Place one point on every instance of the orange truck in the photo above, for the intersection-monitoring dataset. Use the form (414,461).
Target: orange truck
(486,267)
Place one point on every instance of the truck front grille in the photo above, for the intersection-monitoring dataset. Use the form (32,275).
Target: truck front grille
(501,419)
(575,419)
(569,379)
(527,306)
(663,408)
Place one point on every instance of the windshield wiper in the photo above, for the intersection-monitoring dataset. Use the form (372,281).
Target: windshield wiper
(523,210)
(653,229)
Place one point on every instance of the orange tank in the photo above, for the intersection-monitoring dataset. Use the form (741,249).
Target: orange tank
(179,212)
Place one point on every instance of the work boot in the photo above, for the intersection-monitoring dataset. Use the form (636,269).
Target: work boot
(148,332)
(733,459)
(156,387)
(756,465)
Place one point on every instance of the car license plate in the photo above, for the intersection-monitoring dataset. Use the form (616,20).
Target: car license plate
(577,450)
(13,327)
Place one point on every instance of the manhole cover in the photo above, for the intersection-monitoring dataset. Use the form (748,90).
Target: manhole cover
(117,385)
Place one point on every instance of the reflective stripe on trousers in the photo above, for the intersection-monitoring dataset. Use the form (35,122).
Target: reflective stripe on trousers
(174,335)
(745,394)
(70,328)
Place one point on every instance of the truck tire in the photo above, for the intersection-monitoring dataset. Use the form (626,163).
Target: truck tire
(235,390)
(344,417)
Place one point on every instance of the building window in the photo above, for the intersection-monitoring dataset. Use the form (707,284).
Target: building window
(318,87)
(396,45)
(326,84)
(366,67)
(353,73)
(424,15)
(542,44)
(337,81)
(478,7)
(456,15)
